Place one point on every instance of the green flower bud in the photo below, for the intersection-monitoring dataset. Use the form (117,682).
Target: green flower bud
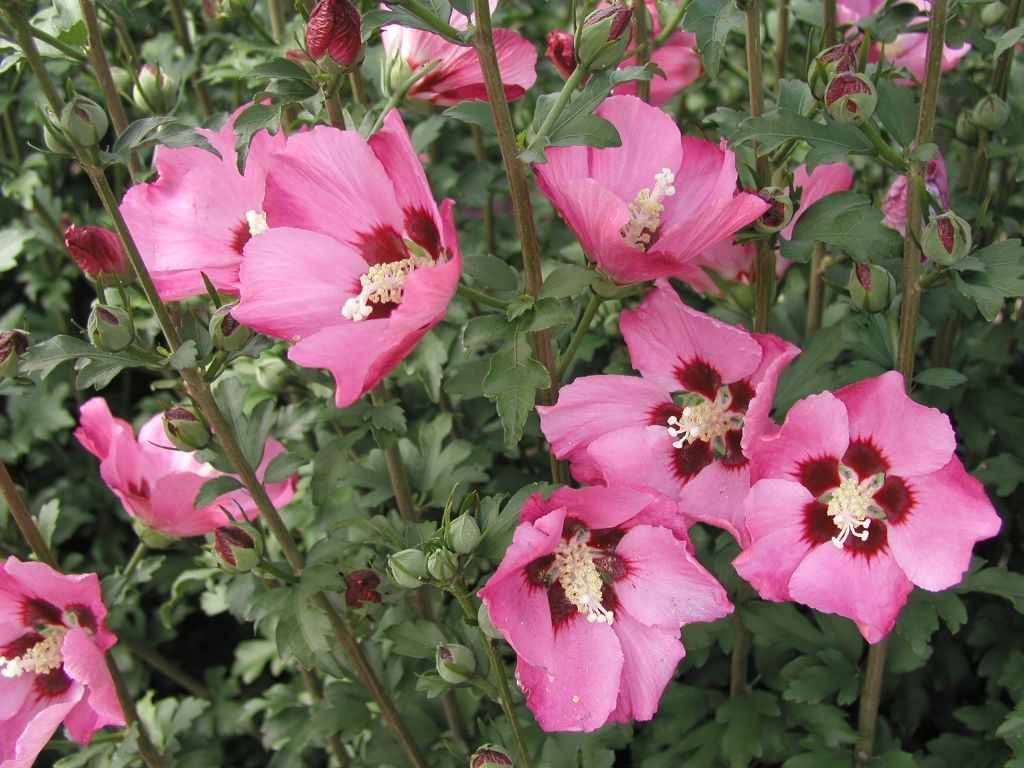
(603,37)
(990,113)
(110,328)
(833,61)
(396,72)
(455,663)
(872,287)
(227,333)
(850,98)
(490,756)
(13,344)
(155,91)
(465,534)
(185,430)
(84,122)
(408,568)
(53,134)
(946,239)
(442,565)
(966,130)
(992,13)
(483,618)
(153,538)
(122,79)
(778,215)
(239,547)
(271,373)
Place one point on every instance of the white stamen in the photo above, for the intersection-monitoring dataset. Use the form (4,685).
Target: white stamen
(382,283)
(257,222)
(706,421)
(645,211)
(851,506)
(41,658)
(578,576)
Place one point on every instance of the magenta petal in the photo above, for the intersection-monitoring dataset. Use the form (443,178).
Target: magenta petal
(817,427)
(84,663)
(869,590)
(599,507)
(172,508)
(650,658)
(715,496)
(23,736)
(776,354)
(636,455)
(663,334)
(933,540)
(707,178)
(685,240)
(393,147)
(913,439)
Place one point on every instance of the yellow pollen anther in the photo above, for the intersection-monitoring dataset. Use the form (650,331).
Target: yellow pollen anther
(851,506)
(645,211)
(705,421)
(578,576)
(41,658)
(382,283)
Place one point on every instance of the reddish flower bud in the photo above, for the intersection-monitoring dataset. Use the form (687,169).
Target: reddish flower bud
(361,588)
(12,346)
(185,430)
(562,52)
(946,239)
(850,98)
(490,756)
(332,32)
(832,61)
(96,250)
(239,547)
(778,215)
(603,37)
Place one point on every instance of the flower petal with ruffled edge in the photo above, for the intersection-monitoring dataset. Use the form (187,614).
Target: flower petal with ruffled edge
(816,427)
(649,659)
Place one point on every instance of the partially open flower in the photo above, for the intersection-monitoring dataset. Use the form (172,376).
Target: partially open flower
(561,51)
(332,35)
(936,182)
(96,250)
(361,587)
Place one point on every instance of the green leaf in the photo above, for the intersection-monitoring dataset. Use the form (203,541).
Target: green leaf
(47,355)
(418,639)
(567,280)
(943,378)
(215,488)
(897,109)
(711,21)
(1004,471)
(1001,278)
(997,581)
(1007,40)
(512,381)
(847,221)
(46,519)
(279,69)
(743,718)
(829,142)
(282,467)
(250,121)
(476,112)
(547,312)
(251,430)
(12,241)
(490,271)
(484,329)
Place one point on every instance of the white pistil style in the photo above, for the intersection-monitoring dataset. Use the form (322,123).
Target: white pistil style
(382,283)
(257,221)
(851,506)
(645,211)
(706,421)
(578,576)
(40,659)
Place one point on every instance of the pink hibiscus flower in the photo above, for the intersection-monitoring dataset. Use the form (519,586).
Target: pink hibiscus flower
(895,205)
(622,205)
(858,498)
(457,76)
(678,59)
(359,263)
(628,430)
(52,670)
(157,483)
(199,214)
(735,261)
(591,595)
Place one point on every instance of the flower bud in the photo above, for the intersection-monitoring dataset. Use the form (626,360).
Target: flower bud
(84,122)
(151,537)
(850,98)
(871,287)
(396,73)
(155,91)
(122,80)
(95,250)
(455,663)
(185,430)
(13,344)
(361,587)
(465,534)
(408,568)
(110,328)
(53,134)
(833,61)
(483,618)
(333,35)
(992,13)
(441,564)
(946,239)
(227,333)
(603,37)
(239,547)
(990,113)
(561,52)
(490,756)
(966,130)
(778,215)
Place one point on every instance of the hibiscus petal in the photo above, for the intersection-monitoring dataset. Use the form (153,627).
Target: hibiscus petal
(393,148)
(85,663)
(636,455)
(816,427)
(650,658)
(715,496)
(23,736)
(717,222)
(707,177)
(776,354)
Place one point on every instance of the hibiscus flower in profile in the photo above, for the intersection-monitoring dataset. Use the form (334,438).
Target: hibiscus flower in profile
(705,390)
(591,595)
(157,483)
(621,202)
(858,498)
(359,262)
(936,182)
(52,670)
(199,214)
(457,75)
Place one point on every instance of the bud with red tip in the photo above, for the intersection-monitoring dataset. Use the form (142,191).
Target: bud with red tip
(602,39)
(990,113)
(850,98)
(561,51)
(361,587)
(871,287)
(947,239)
(84,122)
(110,328)
(95,250)
(13,344)
(333,35)
(455,663)
(833,61)
(227,333)
(155,91)
(239,547)
(490,756)
(185,430)
(778,214)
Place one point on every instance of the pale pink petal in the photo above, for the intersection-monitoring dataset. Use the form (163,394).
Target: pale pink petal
(870,590)
(393,147)
(678,59)
(817,427)
(776,354)
(16,693)
(84,663)
(934,539)
(650,657)
(172,509)
(718,222)
(23,736)
(706,177)
(733,261)
(637,455)
(715,496)
(913,439)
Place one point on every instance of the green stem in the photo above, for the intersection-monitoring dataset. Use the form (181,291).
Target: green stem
(581,331)
(764,262)
(815,291)
(504,690)
(275,12)
(570,86)
(887,153)
(641,36)
(480,297)
(46,37)
(396,98)
(869,700)
(278,573)
(672,24)
(781,40)
(828,32)
(396,468)
(431,19)
(161,664)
